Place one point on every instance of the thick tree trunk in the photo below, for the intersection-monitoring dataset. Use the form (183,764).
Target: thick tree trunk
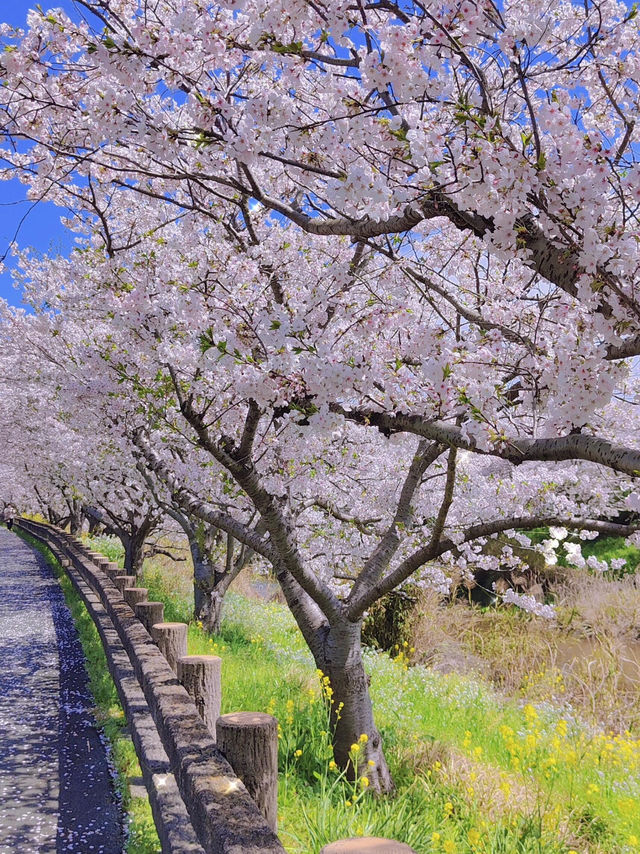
(76,517)
(351,710)
(53,517)
(337,651)
(95,527)
(133,552)
(210,581)
(202,581)
(212,616)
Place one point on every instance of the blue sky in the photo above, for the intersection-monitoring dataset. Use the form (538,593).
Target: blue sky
(41,227)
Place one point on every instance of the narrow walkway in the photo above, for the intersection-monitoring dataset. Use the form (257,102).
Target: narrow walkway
(56,786)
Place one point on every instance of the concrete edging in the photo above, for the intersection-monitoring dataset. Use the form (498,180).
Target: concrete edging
(223,816)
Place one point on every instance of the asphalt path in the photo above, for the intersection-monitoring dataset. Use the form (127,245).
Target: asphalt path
(56,782)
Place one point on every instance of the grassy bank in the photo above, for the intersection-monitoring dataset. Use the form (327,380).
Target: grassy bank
(142,837)
(477,771)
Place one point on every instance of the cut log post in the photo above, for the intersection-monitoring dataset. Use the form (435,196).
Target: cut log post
(115,572)
(149,613)
(113,567)
(249,740)
(102,562)
(133,595)
(171,640)
(122,581)
(367,845)
(200,675)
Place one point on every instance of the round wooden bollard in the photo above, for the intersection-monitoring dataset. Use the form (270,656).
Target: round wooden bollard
(122,581)
(113,567)
(149,613)
(249,740)
(114,572)
(134,595)
(171,640)
(367,845)
(200,675)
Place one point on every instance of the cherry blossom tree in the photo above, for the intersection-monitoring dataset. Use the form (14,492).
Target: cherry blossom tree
(369,270)
(514,125)
(57,446)
(217,558)
(261,379)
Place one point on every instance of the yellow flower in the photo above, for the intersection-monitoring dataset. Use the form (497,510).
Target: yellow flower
(355,748)
(371,763)
(298,753)
(473,836)
(332,766)
(435,838)
(364,782)
(448,808)
(449,846)
(364,738)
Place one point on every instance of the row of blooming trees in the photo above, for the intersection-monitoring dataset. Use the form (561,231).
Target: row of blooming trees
(355,289)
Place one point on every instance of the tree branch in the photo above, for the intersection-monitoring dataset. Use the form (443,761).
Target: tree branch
(485,529)
(575,446)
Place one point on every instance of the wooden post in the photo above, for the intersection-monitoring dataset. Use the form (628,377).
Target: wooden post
(114,573)
(171,640)
(149,613)
(200,675)
(249,740)
(113,567)
(122,581)
(367,845)
(133,595)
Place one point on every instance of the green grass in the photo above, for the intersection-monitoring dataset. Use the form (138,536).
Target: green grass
(455,746)
(608,548)
(604,548)
(109,546)
(142,837)
(476,773)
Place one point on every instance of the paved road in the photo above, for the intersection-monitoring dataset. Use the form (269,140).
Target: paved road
(56,785)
